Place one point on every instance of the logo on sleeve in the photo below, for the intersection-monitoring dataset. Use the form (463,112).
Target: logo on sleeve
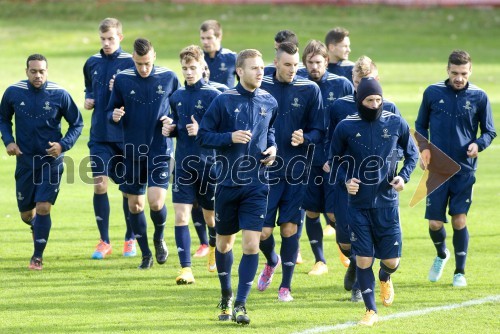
(132,92)
(358,135)
(441,101)
(236,110)
(179,104)
(22,103)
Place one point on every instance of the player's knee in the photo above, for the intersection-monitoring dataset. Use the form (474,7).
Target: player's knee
(43,208)
(100,188)
(435,225)
(288,229)
(345,249)
(390,266)
(458,222)
(27,217)
(331,216)
(364,262)
(135,208)
(312,215)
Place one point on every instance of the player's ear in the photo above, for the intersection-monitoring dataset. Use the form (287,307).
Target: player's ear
(239,71)
(120,36)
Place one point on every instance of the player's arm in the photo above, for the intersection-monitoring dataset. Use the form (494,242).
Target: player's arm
(410,151)
(208,132)
(485,124)
(74,118)
(6,114)
(89,94)
(315,128)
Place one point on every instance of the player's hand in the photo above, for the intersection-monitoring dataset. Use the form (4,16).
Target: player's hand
(192,128)
(326,167)
(118,114)
(55,149)
(13,149)
(167,127)
(398,183)
(89,104)
(270,156)
(241,136)
(352,186)
(112,82)
(472,150)
(425,158)
(297,137)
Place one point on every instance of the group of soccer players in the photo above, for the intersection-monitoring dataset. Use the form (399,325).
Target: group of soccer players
(284,145)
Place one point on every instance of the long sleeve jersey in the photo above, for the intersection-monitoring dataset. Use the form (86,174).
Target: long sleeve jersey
(191,100)
(300,106)
(145,101)
(450,119)
(38,113)
(332,87)
(98,71)
(222,67)
(239,109)
(342,68)
(370,150)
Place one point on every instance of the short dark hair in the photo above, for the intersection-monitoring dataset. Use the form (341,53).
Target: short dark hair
(314,48)
(212,24)
(286,36)
(459,57)
(336,35)
(286,47)
(36,56)
(142,46)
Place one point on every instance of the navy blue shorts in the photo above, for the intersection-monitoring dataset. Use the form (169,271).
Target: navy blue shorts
(287,198)
(376,232)
(37,185)
(314,199)
(240,208)
(340,200)
(107,159)
(196,186)
(144,173)
(455,193)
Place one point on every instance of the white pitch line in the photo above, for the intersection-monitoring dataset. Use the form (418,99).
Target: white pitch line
(322,329)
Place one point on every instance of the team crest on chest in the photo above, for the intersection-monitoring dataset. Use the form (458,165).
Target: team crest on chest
(296,102)
(47,106)
(386,134)
(160,90)
(236,110)
(199,105)
(467,106)
(331,97)
(222,67)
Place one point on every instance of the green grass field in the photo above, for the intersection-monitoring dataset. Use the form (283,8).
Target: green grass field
(79,295)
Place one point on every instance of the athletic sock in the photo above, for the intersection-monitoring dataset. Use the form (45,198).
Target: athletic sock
(211,236)
(268,249)
(460,244)
(159,218)
(199,224)
(41,230)
(438,238)
(140,228)
(129,234)
(224,263)
(246,273)
(101,211)
(289,250)
(183,242)
(315,234)
(366,281)
(383,275)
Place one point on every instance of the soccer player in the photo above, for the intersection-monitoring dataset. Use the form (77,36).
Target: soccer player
(220,61)
(139,103)
(299,125)
(368,142)
(315,59)
(339,46)
(338,196)
(106,138)
(239,125)
(193,165)
(449,117)
(38,106)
